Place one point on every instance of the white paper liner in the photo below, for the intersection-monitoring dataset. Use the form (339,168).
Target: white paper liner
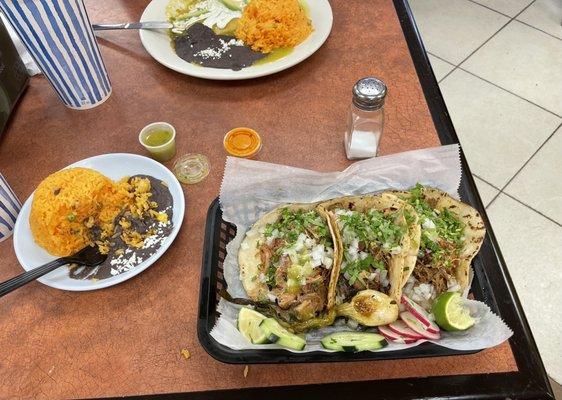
(252,188)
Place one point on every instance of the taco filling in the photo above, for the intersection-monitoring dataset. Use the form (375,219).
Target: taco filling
(442,242)
(370,240)
(296,254)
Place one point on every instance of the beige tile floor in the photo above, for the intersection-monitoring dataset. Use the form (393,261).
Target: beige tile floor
(499,67)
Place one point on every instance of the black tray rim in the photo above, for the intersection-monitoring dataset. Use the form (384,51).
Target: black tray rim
(278,356)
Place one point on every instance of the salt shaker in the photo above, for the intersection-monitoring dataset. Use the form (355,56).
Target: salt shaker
(366,118)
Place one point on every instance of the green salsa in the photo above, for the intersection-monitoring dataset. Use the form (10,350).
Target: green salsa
(275,55)
(158,137)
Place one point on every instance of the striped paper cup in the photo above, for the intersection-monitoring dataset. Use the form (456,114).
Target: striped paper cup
(59,36)
(9,208)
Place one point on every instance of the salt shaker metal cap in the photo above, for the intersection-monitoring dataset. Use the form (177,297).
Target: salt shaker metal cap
(369,93)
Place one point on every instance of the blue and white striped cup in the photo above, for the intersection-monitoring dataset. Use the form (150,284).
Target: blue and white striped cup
(59,36)
(10,206)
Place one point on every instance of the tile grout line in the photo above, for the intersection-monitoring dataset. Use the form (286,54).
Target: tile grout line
(531,208)
(510,92)
(531,157)
(441,58)
(489,183)
(502,191)
(538,29)
(493,199)
(487,40)
(491,83)
(518,20)
(516,199)
(489,8)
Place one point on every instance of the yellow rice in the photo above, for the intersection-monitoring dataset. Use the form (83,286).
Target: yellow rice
(68,203)
(269,24)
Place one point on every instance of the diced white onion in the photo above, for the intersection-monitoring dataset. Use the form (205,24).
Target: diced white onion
(428,224)
(271,297)
(363,255)
(384,278)
(352,254)
(423,291)
(317,252)
(452,285)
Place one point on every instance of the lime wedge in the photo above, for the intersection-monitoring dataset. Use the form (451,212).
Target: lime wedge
(249,325)
(450,312)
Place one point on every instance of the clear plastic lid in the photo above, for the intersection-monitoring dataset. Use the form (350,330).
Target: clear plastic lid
(191,168)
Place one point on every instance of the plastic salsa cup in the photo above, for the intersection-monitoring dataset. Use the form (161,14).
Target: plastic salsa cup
(159,139)
(242,142)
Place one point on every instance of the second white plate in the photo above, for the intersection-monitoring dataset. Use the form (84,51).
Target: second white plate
(157,44)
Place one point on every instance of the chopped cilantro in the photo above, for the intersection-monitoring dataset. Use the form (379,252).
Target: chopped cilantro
(354,268)
(292,223)
(447,235)
(374,227)
(270,275)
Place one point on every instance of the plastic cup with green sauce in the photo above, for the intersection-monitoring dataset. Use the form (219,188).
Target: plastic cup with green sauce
(159,139)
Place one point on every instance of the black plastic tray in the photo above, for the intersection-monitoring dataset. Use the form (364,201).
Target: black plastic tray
(217,235)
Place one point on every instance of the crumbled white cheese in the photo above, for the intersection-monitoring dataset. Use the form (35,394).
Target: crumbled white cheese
(216,53)
(130,259)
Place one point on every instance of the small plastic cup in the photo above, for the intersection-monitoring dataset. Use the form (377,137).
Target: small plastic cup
(162,152)
(242,142)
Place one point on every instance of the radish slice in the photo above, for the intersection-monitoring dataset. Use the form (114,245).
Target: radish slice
(385,331)
(400,328)
(422,315)
(394,337)
(402,340)
(415,324)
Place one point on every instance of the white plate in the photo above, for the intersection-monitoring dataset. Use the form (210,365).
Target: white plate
(114,166)
(158,45)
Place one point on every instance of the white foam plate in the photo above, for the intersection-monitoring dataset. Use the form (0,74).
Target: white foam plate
(114,166)
(157,44)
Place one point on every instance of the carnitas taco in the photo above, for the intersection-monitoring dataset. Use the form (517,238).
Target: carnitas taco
(451,235)
(378,238)
(287,262)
